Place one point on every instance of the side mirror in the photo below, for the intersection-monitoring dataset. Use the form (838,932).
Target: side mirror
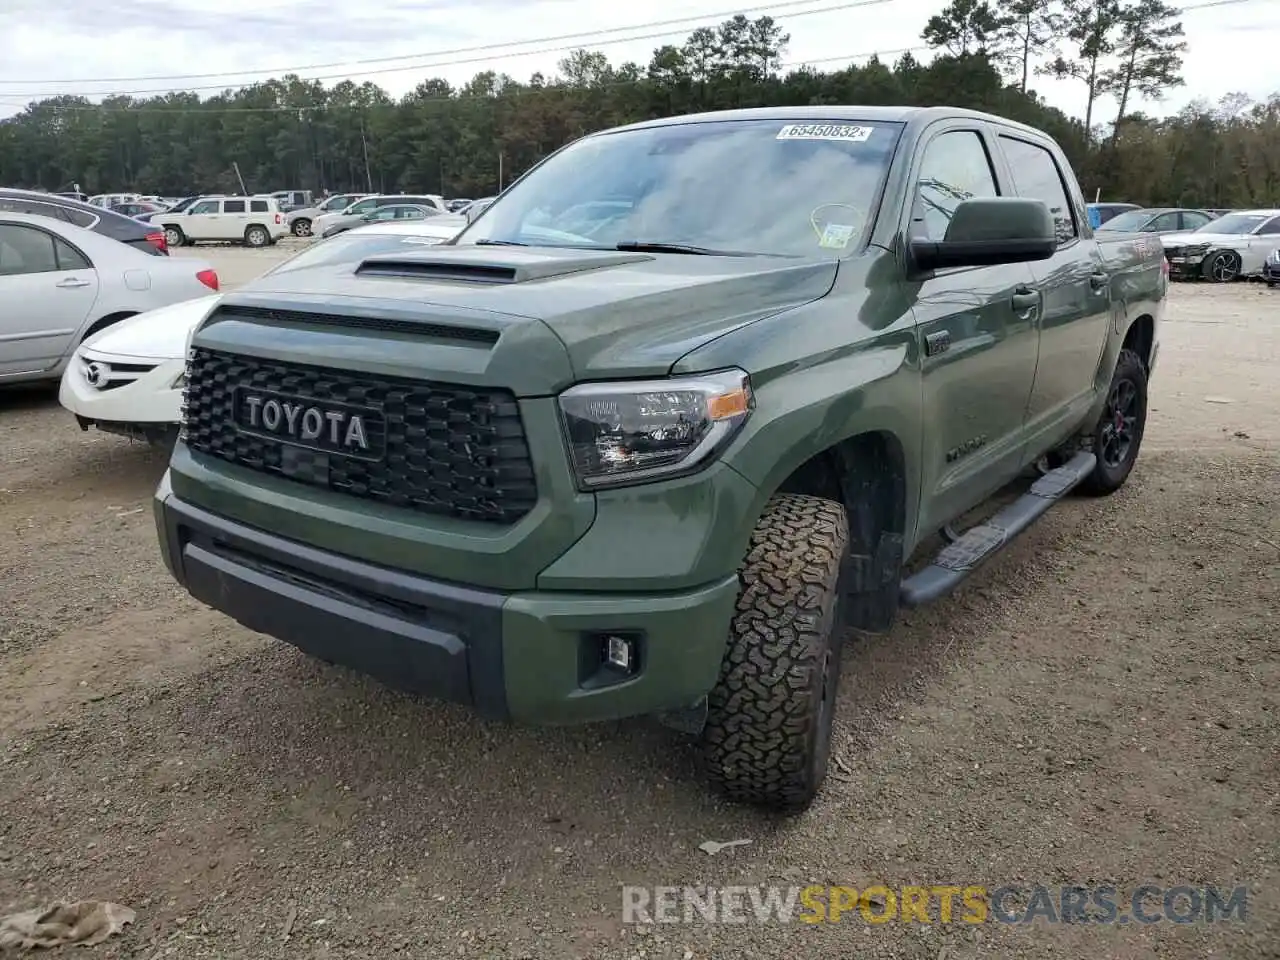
(988,232)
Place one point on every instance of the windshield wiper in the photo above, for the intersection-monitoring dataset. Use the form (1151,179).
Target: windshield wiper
(654,246)
(501,243)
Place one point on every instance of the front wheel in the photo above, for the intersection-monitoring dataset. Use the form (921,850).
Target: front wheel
(767,739)
(1117,436)
(302,227)
(174,237)
(1223,267)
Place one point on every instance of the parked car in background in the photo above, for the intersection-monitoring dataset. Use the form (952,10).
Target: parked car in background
(1271,268)
(106,200)
(1156,220)
(299,221)
(458,205)
(290,199)
(367,204)
(476,207)
(128,379)
(253,221)
(137,209)
(1225,249)
(394,211)
(1100,213)
(60,284)
(118,227)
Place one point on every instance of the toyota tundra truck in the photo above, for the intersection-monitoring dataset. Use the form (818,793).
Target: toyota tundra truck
(692,397)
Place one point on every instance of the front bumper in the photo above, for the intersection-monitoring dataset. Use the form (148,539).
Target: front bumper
(529,656)
(150,400)
(1187,267)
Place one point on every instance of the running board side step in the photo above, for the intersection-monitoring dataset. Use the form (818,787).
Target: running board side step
(959,559)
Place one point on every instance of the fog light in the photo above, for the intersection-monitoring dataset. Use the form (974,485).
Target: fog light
(620,653)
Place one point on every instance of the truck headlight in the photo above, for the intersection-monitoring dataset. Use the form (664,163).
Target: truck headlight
(631,432)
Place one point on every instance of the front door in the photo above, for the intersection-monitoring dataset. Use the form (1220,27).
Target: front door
(202,220)
(47,289)
(977,329)
(1077,299)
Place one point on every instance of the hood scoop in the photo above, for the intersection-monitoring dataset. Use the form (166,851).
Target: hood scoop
(488,266)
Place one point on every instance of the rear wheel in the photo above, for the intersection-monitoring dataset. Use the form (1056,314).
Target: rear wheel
(257,236)
(767,739)
(1117,437)
(302,227)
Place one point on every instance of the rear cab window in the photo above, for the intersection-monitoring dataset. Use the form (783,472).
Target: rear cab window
(259,206)
(233,206)
(1036,176)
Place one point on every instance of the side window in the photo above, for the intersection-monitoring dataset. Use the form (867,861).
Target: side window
(955,168)
(1166,221)
(1193,221)
(364,206)
(69,258)
(25,250)
(1036,176)
(1270,228)
(233,206)
(258,206)
(386,213)
(81,218)
(205,206)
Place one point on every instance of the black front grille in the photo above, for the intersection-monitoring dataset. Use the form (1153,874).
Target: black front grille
(437,448)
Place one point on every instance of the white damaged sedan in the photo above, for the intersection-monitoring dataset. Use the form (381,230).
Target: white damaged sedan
(128,379)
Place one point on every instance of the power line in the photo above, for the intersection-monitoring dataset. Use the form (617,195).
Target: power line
(29,97)
(584,35)
(205,109)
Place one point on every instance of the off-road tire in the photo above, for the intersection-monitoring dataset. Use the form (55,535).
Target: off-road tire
(1108,478)
(767,738)
(256,236)
(301,227)
(174,237)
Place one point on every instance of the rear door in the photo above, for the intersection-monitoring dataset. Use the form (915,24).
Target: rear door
(1075,291)
(234,218)
(47,289)
(977,331)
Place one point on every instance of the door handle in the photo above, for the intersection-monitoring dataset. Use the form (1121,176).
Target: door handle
(72,282)
(1099,281)
(1024,299)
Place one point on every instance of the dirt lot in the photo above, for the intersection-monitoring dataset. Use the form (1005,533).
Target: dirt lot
(1099,705)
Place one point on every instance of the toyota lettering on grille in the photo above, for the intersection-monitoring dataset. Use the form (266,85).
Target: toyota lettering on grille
(327,427)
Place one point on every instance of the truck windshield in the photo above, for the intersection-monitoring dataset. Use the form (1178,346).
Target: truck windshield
(765,187)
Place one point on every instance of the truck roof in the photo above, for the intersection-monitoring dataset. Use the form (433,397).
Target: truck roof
(912,116)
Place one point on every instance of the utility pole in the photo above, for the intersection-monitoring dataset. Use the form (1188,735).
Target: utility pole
(243,189)
(499,171)
(368,174)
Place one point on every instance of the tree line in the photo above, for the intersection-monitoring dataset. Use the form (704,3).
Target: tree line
(294,133)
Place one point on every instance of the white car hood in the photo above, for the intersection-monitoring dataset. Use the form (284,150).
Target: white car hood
(1183,239)
(155,335)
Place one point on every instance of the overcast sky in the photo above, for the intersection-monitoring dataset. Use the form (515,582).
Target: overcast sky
(48,48)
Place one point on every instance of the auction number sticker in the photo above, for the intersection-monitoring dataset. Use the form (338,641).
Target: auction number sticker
(826,131)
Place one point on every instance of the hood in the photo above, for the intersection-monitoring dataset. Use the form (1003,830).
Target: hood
(154,335)
(616,313)
(1188,239)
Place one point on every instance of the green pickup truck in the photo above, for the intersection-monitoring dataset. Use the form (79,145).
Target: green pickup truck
(680,406)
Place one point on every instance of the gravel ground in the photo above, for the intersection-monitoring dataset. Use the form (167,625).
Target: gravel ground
(1100,704)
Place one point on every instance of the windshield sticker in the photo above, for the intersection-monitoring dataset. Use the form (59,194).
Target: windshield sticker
(836,236)
(825,131)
